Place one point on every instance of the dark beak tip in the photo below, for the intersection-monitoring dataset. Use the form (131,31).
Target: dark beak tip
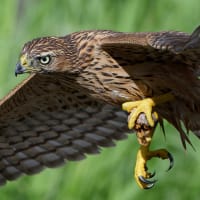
(19,69)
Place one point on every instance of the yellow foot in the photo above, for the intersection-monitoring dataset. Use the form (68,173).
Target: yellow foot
(141,175)
(135,108)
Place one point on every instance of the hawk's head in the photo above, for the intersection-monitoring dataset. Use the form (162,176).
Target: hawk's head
(47,54)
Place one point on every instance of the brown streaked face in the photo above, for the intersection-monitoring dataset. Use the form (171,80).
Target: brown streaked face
(43,55)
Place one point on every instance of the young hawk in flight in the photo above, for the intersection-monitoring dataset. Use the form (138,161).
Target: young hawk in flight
(70,105)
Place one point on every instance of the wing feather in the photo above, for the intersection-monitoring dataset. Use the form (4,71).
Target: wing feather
(164,62)
(44,122)
(173,46)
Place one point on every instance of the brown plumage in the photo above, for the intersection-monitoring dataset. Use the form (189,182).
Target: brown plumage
(71,104)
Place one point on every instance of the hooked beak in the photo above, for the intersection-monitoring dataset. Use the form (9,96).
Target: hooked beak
(21,65)
(19,69)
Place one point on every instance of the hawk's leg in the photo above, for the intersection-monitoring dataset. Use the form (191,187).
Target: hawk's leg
(144,106)
(141,174)
(143,120)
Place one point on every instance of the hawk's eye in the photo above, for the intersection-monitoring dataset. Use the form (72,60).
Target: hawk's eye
(44,60)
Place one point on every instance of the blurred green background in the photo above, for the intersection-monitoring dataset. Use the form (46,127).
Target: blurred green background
(106,176)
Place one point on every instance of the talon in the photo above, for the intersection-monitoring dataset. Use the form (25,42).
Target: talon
(152,174)
(135,108)
(146,181)
(147,184)
(144,135)
(142,176)
(171,160)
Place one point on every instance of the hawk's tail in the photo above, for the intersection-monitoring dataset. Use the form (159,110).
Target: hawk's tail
(184,116)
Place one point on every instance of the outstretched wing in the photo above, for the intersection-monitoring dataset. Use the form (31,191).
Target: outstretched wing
(166,46)
(163,61)
(45,121)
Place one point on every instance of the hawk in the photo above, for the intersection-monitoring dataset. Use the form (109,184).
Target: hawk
(70,105)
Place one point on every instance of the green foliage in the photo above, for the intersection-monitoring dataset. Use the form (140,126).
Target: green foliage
(108,175)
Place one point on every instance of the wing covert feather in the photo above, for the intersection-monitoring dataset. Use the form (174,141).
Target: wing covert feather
(166,46)
(164,40)
(44,122)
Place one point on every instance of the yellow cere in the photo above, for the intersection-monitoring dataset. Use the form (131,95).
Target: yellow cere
(23,60)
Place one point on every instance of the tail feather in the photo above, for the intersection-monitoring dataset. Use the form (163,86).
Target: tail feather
(183,112)
(184,117)
(197,133)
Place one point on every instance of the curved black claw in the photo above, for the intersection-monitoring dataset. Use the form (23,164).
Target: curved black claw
(152,174)
(171,160)
(149,183)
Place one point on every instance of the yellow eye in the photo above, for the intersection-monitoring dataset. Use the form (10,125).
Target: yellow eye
(44,60)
